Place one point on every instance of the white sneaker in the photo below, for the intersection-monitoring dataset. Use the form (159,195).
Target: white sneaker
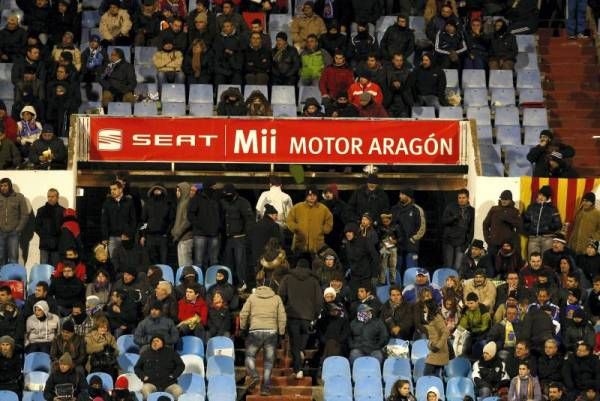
(299,375)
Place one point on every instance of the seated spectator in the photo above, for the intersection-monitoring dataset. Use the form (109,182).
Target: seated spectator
(398,315)
(478,43)
(118,79)
(32,58)
(537,326)
(159,367)
(395,91)
(593,300)
(175,31)
(67,289)
(257,61)
(552,256)
(11,364)
(69,341)
(540,221)
(96,388)
(589,262)
(369,108)
(177,7)
(40,328)
(200,29)
(101,346)
(503,47)
(64,17)
(12,40)
(449,46)
(504,333)
(229,14)
(93,60)
(83,315)
(168,62)
(121,313)
(28,130)
(67,45)
(100,287)
(436,21)
(549,365)
(531,272)
(364,84)
(231,103)
(401,391)
(37,18)
(306,24)
(523,16)
(156,324)
(341,107)
(364,295)
(229,57)
(333,40)
(198,63)
(524,386)
(146,23)
(477,320)
(164,295)
(10,157)
(65,379)
(48,152)
(438,353)
(313,61)
(332,326)
(312,108)
(193,313)
(375,67)
(368,335)
(256,26)
(580,370)
(362,43)
(10,126)
(129,254)
(398,39)
(336,78)
(482,287)
(427,84)
(412,291)
(511,288)
(578,331)
(258,105)
(489,372)
(115,25)
(220,319)
(285,62)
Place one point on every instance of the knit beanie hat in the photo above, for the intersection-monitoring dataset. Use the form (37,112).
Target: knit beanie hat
(328,290)
(546,190)
(122,383)
(7,340)
(590,197)
(490,348)
(66,359)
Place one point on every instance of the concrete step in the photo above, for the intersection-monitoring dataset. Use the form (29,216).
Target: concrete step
(287,390)
(574,123)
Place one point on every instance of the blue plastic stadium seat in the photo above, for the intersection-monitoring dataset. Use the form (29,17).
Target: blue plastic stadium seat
(419,350)
(126,51)
(369,388)
(528,79)
(174,109)
(338,398)
(173,93)
(366,367)
(155,396)
(424,383)
(440,275)
(201,93)
(384,22)
(451,79)
(453,113)
(13,271)
(220,365)
(127,361)
(489,153)
(39,272)
(7,91)
(6,395)
(279,22)
(192,383)
(506,115)
(508,135)
(503,97)
(527,61)
(220,346)
(492,169)
(516,154)
(476,97)
(87,106)
(145,109)
(473,79)
(191,396)
(458,387)
(119,109)
(418,369)
(90,19)
(484,135)
(535,117)
(143,55)
(526,43)
(37,362)
(309,91)
(5,71)
(532,95)
(248,89)
(283,94)
(383,292)
(457,367)
(480,114)
(221,386)
(517,170)
(532,135)
(211,274)
(35,381)
(285,110)
(201,109)
(335,366)
(96,93)
(167,272)
(193,364)
(145,73)
(190,345)
(395,368)
(33,396)
(125,343)
(199,280)
(107,381)
(423,113)
(501,79)
(337,385)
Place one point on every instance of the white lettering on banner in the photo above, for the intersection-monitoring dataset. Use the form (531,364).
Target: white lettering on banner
(331,145)
(173,140)
(416,146)
(249,143)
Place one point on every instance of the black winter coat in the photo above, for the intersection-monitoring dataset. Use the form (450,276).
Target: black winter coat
(504,47)
(118,217)
(204,213)
(541,219)
(489,373)
(261,232)
(550,369)
(10,373)
(458,225)
(48,221)
(590,265)
(333,42)
(71,377)
(366,10)
(581,372)
(59,153)
(219,322)
(228,64)
(207,66)
(360,257)
(368,337)
(127,315)
(13,324)
(333,327)
(12,43)
(373,202)
(536,328)
(257,61)
(538,157)
(593,303)
(121,80)
(397,39)
(158,213)
(401,316)
(301,294)
(135,257)
(479,45)
(67,292)
(238,216)
(428,81)
(288,65)
(161,368)
(18,68)
(410,219)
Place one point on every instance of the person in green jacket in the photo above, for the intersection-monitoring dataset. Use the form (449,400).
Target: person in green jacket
(313,62)
(477,320)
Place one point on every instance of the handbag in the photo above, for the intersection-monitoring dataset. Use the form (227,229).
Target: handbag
(461,338)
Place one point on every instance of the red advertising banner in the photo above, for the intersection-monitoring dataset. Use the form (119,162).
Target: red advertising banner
(243,140)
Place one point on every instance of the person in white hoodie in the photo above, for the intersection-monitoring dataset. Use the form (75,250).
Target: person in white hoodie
(275,196)
(433,394)
(41,328)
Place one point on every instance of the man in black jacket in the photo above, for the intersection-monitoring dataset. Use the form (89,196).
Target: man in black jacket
(48,221)
(40,294)
(549,365)
(369,198)
(427,84)
(263,231)
(129,254)
(540,154)
(65,379)
(458,220)
(580,371)
(359,255)
(32,58)
(410,219)
(285,62)
(301,294)
(118,79)
(398,39)
(398,316)
(158,216)
(118,217)
(540,221)
(67,289)
(204,214)
(396,97)
(238,217)
(475,258)
(159,367)
(48,152)
(229,58)
(257,61)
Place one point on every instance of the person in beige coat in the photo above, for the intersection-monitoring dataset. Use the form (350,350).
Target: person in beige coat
(67,45)
(115,25)
(306,24)
(100,342)
(309,221)
(484,288)
(587,224)
(437,333)
(168,63)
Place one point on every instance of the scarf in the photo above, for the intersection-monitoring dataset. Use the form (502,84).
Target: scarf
(197,63)
(278,56)
(529,391)
(29,128)
(73,227)
(364,317)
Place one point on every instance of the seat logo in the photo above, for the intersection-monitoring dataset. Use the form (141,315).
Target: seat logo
(110,139)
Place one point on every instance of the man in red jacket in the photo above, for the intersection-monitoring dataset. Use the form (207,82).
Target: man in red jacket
(369,108)
(364,85)
(193,313)
(335,78)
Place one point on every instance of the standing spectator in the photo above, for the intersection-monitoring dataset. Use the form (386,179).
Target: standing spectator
(159,367)
(523,16)
(14,207)
(587,224)
(412,225)
(525,386)
(540,154)
(157,217)
(176,32)
(576,16)
(301,294)
(388,250)
(336,78)
(67,289)
(369,198)
(398,39)
(263,315)
(503,47)
(129,254)
(398,315)
(581,370)
(117,218)
(237,221)
(118,79)
(478,43)
(182,228)
(360,257)
(11,364)
(48,152)
(115,25)
(335,12)
(368,335)
(589,262)
(313,61)
(62,100)
(65,375)
(437,334)
(40,328)
(10,157)
(310,221)
(427,84)
(489,372)
(193,313)
(395,91)
(257,61)
(285,63)
(229,57)
(326,266)
(502,223)
(540,221)
(306,24)
(449,46)
(263,231)
(536,328)
(12,40)
(458,220)
(276,197)
(168,62)
(204,215)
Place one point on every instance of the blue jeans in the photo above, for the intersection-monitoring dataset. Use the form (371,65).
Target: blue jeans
(356,353)
(49,257)
(9,247)
(184,252)
(113,243)
(453,256)
(257,339)
(204,244)
(235,257)
(576,16)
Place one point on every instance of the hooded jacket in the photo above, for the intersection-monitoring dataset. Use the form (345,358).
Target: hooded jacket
(325,274)
(458,225)
(428,82)
(227,108)
(182,228)
(14,211)
(158,212)
(161,368)
(301,294)
(359,255)
(204,214)
(368,336)
(263,310)
(58,149)
(412,225)
(72,376)
(227,291)
(366,10)
(309,225)
(41,331)
(502,224)
(397,39)
(541,219)
(151,327)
